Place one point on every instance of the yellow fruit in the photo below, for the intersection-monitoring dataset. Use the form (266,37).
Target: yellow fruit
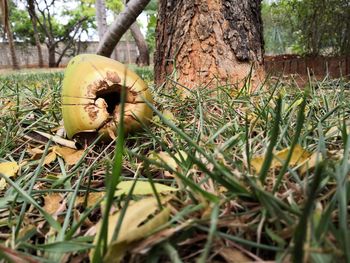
(91,96)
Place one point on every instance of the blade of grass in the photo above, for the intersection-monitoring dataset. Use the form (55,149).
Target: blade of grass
(227,180)
(30,200)
(301,229)
(172,253)
(342,174)
(299,126)
(38,170)
(112,180)
(67,220)
(243,241)
(273,139)
(186,180)
(211,234)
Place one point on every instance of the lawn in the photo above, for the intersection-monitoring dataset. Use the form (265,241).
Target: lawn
(218,176)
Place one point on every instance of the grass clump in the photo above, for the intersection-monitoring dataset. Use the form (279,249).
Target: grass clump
(242,192)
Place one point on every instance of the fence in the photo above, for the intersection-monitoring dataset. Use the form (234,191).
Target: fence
(27,55)
(333,67)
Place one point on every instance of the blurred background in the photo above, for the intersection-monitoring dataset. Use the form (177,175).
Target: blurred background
(298,34)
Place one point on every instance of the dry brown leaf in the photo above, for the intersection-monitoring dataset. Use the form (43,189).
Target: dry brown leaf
(299,156)
(8,169)
(170,161)
(145,245)
(69,155)
(52,203)
(8,105)
(24,230)
(310,162)
(91,199)
(233,255)
(35,153)
(50,158)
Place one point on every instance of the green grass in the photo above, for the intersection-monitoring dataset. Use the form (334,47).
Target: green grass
(224,208)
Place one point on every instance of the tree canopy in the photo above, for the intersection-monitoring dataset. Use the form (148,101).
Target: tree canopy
(315,27)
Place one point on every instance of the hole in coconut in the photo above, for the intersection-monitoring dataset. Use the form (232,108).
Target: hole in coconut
(111,97)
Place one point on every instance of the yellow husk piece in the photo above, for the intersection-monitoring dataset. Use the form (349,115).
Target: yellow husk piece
(83,111)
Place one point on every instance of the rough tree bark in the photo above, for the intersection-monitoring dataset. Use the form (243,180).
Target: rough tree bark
(51,47)
(4,15)
(143,58)
(31,11)
(206,40)
(120,26)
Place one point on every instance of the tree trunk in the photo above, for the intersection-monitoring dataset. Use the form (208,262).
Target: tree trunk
(143,58)
(209,42)
(101,18)
(4,15)
(120,26)
(15,64)
(33,17)
(52,55)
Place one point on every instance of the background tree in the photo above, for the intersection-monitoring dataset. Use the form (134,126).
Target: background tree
(4,15)
(279,35)
(79,19)
(144,58)
(117,29)
(33,19)
(206,42)
(307,27)
(151,11)
(101,17)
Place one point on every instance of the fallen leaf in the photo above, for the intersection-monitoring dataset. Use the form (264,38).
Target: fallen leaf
(26,230)
(8,105)
(9,168)
(167,114)
(91,199)
(145,245)
(70,156)
(52,203)
(311,162)
(134,226)
(166,158)
(50,158)
(299,156)
(35,153)
(233,255)
(3,184)
(335,131)
(142,188)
